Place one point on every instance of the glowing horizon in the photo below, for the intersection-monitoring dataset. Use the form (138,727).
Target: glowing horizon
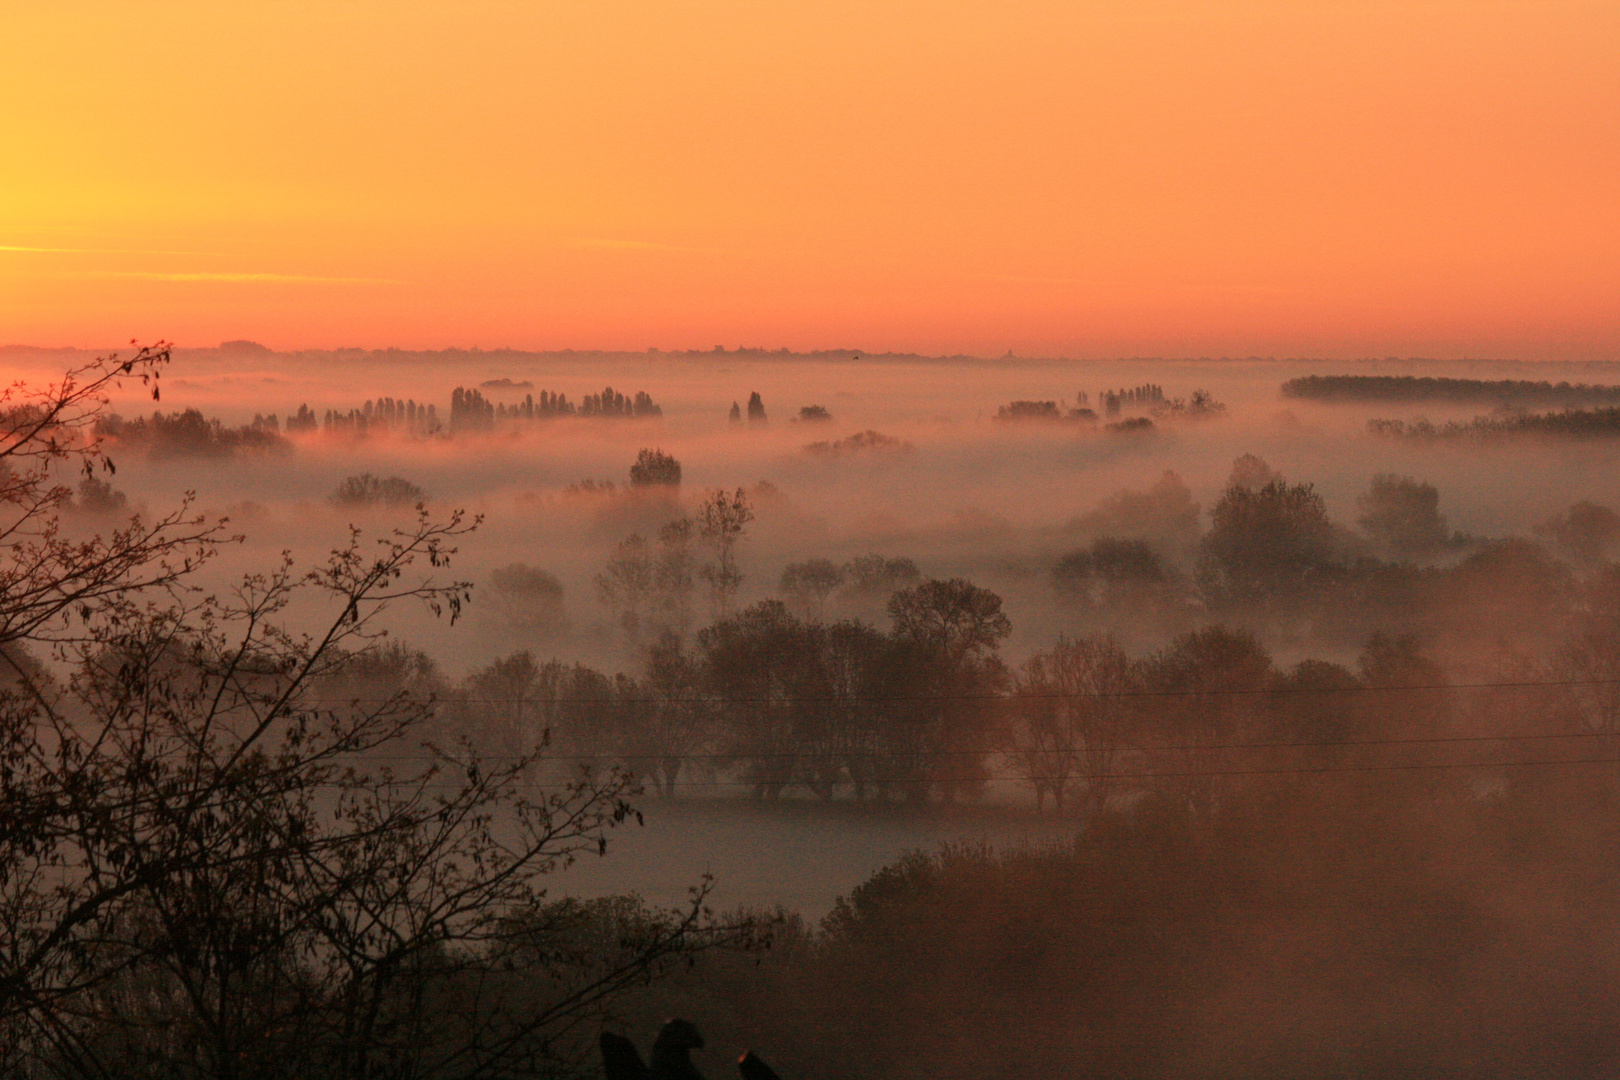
(1181,177)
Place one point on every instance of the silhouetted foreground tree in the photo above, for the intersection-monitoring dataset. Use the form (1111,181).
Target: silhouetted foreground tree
(209,869)
(45,580)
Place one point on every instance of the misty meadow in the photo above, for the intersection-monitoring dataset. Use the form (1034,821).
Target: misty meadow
(421,715)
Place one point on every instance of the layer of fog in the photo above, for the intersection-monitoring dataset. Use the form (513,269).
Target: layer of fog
(990,501)
(976,498)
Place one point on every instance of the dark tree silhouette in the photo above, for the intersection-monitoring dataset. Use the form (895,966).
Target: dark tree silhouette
(655,468)
(879,577)
(1251,471)
(946,674)
(722,521)
(956,619)
(190,434)
(1164,515)
(368,490)
(1072,720)
(1585,533)
(97,496)
(526,599)
(809,583)
(861,443)
(761,667)
(626,585)
(675,722)
(1110,573)
(1210,683)
(1265,543)
(1404,515)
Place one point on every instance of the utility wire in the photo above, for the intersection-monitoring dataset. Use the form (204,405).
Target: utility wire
(1300,770)
(844,755)
(1014,696)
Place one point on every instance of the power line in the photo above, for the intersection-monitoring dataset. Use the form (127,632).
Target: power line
(1305,770)
(844,755)
(1012,697)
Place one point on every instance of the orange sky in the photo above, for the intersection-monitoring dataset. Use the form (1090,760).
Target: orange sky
(1319,177)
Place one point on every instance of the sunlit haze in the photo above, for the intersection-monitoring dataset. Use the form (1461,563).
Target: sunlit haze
(1057,539)
(1170,177)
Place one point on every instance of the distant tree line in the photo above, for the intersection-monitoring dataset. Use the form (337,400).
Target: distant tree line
(862,442)
(1042,411)
(768,702)
(471,411)
(1148,398)
(810,682)
(1144,396)
(1440,389)
(1273,557)
(189,434)
(1568,424)
(611,403)
(385,414)
(779,699)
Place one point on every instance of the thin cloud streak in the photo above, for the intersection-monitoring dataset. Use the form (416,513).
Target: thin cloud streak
(285,279)
(100,251)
